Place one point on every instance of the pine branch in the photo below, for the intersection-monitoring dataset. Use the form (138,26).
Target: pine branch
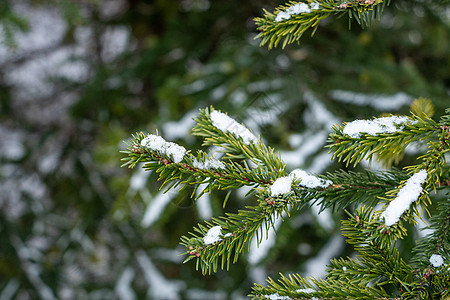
(362,139)
(289,22)
(427,254)
(378,271)
(229,139)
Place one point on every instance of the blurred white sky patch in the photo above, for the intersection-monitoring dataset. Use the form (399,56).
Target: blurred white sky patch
(324,218)
(308,144)
(112,8)
(174,130)
(138,180)
(167,254)
(318,114)
(316,266)
(258,252)
(197,294)
(123,287)
(10,289)
(380,102)
(32,269)
(47,28)
(320,162)
(156,205)
(159,287)
(12,147)
(115,41)
(203,204)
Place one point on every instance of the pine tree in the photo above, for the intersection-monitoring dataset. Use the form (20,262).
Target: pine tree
(381,207)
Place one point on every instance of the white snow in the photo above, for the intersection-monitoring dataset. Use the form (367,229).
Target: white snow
(209,163)
(10,289)
(213,235)
(157,143)
(277,296)
(176,151)
(309,181)
(324,217)
(374,127)
(12,147)
(409,193)
(227,124)
(315,6)
(281,186)
(296,9)
(282,15)
(139,180)
(307,290)
(436,260)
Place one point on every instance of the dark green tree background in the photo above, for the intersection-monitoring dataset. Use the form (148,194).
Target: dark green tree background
(76,77)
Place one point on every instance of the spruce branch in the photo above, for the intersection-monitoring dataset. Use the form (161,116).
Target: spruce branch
(352,146)
(378,271)
(289,22)
(233,145)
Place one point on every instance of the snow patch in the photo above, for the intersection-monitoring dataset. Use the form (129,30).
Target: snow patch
(436,260)
(309,181)
(209,163)
(281,186)
(296,9)
(409,193)
(307,290)
(226,124)
(374,127)
(213,235)
(157,143)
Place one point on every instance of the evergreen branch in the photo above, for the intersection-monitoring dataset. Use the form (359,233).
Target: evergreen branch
(289,22)
(383,137)
(233,144)
(377,267)
(435,244)
(378,271)
(193,170)
(375,247)
(363,188)
(240,228)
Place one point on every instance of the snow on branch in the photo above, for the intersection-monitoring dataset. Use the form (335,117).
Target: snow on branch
(227,124)
(296,9)
(157,143)
(409,193)
(374,127)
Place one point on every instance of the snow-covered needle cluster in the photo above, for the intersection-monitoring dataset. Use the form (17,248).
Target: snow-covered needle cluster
(283,184)
(373,229)
(157,143)
(227,124)
(409,193)
(289,22)
(374,127)
(296,9)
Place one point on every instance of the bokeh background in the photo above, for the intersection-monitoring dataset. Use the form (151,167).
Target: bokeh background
(77,78)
